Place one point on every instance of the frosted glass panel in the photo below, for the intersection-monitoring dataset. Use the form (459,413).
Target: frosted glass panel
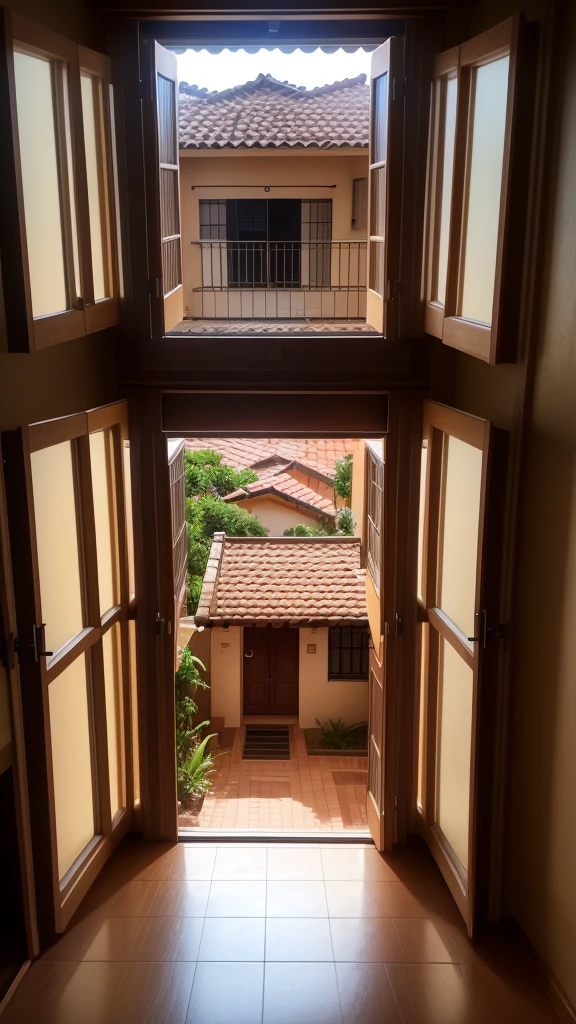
(129,527)
(115,717)
(96,176)
(421,513)
(422,711)
(446,189)
(485,185)
(57,543)
(101,460)
(459,540)
(40,183)
(134,711)
(454,749)
(71,763)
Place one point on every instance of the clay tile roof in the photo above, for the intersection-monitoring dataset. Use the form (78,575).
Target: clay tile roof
(319,454)
(267,113)
(285,486)
(283,579)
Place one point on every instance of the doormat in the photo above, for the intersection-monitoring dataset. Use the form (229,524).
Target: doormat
(350,778)
(266,743)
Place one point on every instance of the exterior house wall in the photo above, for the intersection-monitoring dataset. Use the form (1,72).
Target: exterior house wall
(358,496)
(248,168)
(226,674)
(276,515)
(321,698)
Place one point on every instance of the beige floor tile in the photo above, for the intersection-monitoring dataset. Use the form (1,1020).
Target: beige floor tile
(358,899)
(131,899)
(100,938)
(196,864)
(233,864)
(366,996)
(298,939)
(180,899)
(356,865)
(296,899)
(237,899)
(170,938)
(432,994)
(233,938)
(156,993)
(298,993)
(421,942)
(66,993)
(365,940)
(293,864)
(225,993)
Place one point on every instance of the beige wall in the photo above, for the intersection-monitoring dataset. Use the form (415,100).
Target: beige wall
(250,168)
(540,884)
(358,486)
(276,516)
(321,698)
(226,674)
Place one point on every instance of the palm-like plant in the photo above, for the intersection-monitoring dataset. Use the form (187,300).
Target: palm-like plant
(194,771)
(338,736)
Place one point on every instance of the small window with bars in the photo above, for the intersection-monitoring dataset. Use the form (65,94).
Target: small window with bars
(348,652)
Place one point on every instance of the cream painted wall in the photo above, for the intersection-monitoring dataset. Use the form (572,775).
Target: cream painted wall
(540,882)
(226,674)
(358,486)
(320,698)
(251,168)
(276,516)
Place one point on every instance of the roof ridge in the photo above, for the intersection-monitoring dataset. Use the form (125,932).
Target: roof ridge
(267,80)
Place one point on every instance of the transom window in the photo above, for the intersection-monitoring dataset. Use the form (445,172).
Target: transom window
(348,652)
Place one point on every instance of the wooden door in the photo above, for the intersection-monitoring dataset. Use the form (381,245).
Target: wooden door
(163,189)
(375,790)
(284,663)
(464,469)
(385,186)
(271,659)
(67,523)
(256,670)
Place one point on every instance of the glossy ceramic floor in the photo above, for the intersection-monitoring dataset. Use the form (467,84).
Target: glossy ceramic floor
(304,794)
(197,934)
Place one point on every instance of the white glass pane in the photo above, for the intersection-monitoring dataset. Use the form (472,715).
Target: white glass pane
(71,763)
(446,190)
(40,183)
(459,541)
(485,185)
(421,513)
(96,177)
(103,491)
(454,749)
(379,118)
(57,543)
(115,717)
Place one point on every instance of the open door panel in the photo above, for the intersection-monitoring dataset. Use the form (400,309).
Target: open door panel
(163,188)
(67,523)
(385,186)
(464,478)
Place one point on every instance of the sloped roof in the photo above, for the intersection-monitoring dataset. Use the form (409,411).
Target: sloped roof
(282,485)
(301,581)
(316,454)
(268,114)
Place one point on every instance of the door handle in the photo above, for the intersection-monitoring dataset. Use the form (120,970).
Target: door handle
(39,645)
(485,631)
(248,654)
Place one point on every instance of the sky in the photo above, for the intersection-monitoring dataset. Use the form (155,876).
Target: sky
(223,70)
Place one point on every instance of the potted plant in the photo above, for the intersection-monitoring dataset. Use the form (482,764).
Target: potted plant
(193,777)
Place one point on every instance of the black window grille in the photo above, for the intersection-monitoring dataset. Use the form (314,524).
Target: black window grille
(348,648)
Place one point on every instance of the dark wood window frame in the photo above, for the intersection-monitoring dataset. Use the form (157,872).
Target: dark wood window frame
(336,644)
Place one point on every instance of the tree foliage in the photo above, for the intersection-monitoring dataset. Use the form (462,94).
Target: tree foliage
(342,526)
(343,478)
(206,474)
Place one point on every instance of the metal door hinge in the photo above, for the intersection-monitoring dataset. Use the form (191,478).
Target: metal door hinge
(160,625)
(393,290)
(154,287)
(398,88)
(399,625)
(386,629)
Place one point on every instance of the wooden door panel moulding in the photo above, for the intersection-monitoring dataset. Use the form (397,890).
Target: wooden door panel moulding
(49,432)
(464,426)
(452,634)
(70,651)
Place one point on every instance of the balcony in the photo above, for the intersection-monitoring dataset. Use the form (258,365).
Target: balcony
(275,287)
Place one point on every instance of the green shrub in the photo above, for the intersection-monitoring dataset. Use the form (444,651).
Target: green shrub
(338,736)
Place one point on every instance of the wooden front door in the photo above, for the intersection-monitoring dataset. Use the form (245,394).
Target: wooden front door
(271,670)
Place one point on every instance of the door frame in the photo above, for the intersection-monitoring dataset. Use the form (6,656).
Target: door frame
(396,414)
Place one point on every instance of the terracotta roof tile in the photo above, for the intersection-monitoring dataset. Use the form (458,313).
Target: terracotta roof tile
(296,580)
(284,486)
(319,454)
(267,113)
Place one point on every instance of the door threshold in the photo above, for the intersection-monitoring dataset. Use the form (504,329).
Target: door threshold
(254,835)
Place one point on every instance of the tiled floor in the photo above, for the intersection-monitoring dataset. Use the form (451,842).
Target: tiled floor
(257,934)
(305,794)
(235,327)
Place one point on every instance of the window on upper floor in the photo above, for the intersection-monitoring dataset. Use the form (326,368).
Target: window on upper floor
(59,248)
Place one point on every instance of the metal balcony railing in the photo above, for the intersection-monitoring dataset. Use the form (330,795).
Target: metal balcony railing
(273,280)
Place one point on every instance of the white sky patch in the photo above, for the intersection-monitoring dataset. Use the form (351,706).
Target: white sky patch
(217,71)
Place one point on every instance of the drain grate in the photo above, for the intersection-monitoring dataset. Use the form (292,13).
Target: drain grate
(266,743)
